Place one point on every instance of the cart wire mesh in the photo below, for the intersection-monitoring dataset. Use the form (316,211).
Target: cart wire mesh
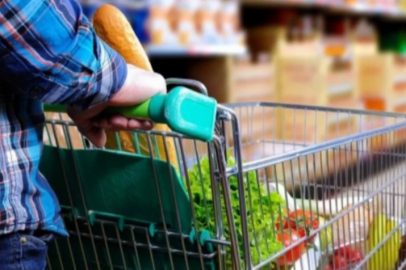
(268,160)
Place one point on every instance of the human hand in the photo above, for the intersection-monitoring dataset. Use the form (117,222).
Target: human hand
(139,86)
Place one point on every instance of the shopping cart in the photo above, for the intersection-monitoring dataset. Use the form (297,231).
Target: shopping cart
(227,204)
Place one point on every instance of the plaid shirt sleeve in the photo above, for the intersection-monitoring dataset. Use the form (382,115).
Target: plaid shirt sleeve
(49,51)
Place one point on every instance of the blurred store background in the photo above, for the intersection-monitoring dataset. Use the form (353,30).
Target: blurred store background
(347,54)
(329,53)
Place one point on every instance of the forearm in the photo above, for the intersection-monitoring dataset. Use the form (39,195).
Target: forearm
(66,64)
(139,86)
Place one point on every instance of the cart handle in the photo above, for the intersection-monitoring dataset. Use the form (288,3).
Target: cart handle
(183,110)
(135,111)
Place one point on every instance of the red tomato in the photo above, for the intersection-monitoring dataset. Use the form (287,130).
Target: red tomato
(305,222)
(355,256)
(339,262)
(304,217)
(288,238)
(343,251)
(283,223)
(304,231)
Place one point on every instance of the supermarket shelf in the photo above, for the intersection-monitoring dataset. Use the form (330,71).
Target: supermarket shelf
(198,50)
(354,9)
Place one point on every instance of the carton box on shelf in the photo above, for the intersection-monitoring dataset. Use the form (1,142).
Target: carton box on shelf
(309,80)
(253,81)
(381,87)
(234,80)
(364,47)
(381,80)
(311,70)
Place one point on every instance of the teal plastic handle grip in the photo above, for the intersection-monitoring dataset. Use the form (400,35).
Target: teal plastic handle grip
(186,112)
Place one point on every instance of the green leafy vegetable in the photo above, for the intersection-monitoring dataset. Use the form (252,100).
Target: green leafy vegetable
(263,208)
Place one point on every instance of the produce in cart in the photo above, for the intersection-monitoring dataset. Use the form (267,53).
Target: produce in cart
(353,227)
(302,221)
(344,258)
(272,229)
(292,254)
(265,209)
(381,228)
(342,241)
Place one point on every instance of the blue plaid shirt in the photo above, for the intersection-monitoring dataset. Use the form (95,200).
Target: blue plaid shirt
(49,53)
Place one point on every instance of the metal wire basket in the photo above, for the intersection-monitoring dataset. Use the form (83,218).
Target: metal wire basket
(226,205)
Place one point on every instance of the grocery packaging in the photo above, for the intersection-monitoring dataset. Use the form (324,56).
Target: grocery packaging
(160,24)
(185,21)
(228,23)
(206,21)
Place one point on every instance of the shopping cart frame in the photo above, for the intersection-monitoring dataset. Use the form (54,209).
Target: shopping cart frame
(221,172)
